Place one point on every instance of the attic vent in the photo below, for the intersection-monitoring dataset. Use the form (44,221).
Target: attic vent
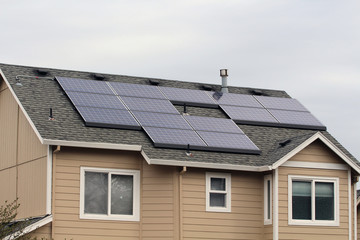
(154,82)
(98,76)
(284,143)
(41,71)
(257,92)
(207,87)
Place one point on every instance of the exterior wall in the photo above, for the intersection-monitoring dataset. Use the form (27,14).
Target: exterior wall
(22,159)
(42,233)
(316,152)
(358,221)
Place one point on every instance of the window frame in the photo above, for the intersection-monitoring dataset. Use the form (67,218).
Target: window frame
(313,221)
(227,177)
(136,194)
(268,197)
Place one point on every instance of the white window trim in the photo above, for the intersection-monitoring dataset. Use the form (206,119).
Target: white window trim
(267,195)
(136,194)
(227,177)
(314,222)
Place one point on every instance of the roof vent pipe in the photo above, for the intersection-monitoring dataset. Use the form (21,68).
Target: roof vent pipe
(224,75)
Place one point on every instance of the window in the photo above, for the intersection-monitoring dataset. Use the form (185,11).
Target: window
(313,201)
(218,192)
(109,194)
(267,199)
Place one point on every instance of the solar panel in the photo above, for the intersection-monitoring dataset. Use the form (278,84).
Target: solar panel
(247,115)
(95,100)
(281,103)
(213,124)
(149,105)
(188,96)
(163,120)
(137,90)
(297,119)
(105,117)
(238,100)
(81,85)
(228,142)
(174,138)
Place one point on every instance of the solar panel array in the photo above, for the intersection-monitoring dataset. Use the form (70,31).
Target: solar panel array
(135,106)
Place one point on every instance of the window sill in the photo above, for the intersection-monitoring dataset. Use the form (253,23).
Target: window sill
(110,218)
(314,223)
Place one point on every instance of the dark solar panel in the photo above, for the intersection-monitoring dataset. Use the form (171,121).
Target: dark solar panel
(137,90)
(149,105)
(81,85)
(281,103)
(188,96)
(105,117)
(297,119)
(238,100)
(228,142)
(249,115)
(95,100)
(213,124)
(174,138)
(163,120)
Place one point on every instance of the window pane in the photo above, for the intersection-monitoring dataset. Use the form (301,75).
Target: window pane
(324,201)
(218,184)
(301,200)
(122,194)
(217,200)
(268,199)
(96,193)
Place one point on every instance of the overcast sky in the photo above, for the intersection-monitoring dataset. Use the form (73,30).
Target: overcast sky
(309,48)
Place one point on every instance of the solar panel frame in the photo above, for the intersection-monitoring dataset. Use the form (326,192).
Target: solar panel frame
(161,120)
(191,97)
(174,138)
(281,103)
(213,124)
(137,90)
(297,119)
(241,100)
(82,85)
(229,142)
(95,100)
(149,105)
(115,118)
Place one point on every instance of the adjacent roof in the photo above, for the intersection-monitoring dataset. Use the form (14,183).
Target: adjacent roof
(38,92)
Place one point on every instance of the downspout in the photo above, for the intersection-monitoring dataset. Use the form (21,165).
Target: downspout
(182,172)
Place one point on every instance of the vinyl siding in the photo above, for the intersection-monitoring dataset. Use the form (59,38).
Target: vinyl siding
(312,153)
(22,159)
(42,233)
(245,221)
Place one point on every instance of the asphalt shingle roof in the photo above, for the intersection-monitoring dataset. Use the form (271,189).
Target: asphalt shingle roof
(38,95)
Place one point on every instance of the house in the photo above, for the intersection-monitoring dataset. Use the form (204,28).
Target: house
(101,156)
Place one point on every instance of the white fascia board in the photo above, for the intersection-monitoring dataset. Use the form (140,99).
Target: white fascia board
(112,146)
(21,107)
(31,227)
(310,140)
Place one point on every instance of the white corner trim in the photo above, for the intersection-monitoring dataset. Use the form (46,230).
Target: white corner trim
(310,140)
(276,204)
(99,145)
(22,108)
(31,227)
(49,179)
(355,212)
(317,165)
(349,202)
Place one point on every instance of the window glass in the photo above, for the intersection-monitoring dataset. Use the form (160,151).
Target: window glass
(96,193)
(217,200)
(122,194)
(218,184)
(301,200)
(268,199)
(324,201)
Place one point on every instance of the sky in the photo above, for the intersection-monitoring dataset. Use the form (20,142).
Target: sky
(309,48)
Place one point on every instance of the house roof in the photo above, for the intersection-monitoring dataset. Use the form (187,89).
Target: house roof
(39,92)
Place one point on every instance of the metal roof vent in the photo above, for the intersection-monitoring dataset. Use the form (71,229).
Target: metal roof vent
(224,75)
(154,82)
(41,71)
(97,76)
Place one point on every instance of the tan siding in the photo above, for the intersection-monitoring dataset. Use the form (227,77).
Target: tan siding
(32,188)
(358,222)
(67,194)
(312,232)
(8,129)
(42,233)
(317,152)
(245,221)
(8,185)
